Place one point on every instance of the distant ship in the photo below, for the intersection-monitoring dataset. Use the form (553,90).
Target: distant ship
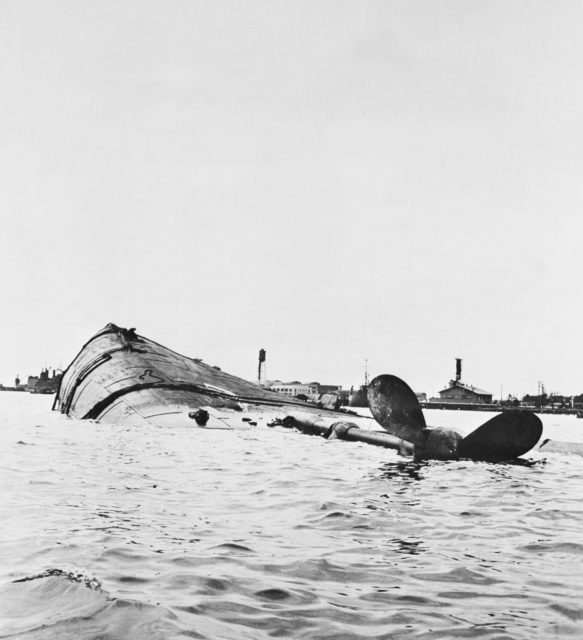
(44,383)
(359,398)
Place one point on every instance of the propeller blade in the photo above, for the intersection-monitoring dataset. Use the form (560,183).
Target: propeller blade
(506,436)
(395,407)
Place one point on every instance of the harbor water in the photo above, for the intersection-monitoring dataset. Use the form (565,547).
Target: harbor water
(116,532)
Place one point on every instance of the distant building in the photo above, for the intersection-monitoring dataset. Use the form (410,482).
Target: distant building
(312,390)
(464,393)
(325,388)
(459,392)
(294,388)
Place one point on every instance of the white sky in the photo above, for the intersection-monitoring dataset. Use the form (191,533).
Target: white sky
(329,180)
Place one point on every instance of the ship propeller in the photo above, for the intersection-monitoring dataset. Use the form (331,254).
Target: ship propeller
(395,407)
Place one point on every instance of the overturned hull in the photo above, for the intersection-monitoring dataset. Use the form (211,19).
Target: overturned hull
(120,377)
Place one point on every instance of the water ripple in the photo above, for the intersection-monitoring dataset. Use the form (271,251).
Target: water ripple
(141,533)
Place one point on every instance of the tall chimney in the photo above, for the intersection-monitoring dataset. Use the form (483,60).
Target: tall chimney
(458,369)
(261,364)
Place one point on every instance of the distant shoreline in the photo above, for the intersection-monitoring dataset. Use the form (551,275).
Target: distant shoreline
(462,406)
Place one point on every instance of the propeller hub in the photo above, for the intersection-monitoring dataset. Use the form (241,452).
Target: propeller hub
(438,444)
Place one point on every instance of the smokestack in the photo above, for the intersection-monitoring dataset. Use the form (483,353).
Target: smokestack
(261,364)
(458,369)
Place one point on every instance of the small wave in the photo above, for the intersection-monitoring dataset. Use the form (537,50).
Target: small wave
(61,605)
(48,599)
(215,584)
(458,575)
(273,594)
(123,553)
(233,546)
(90,582)
(133,580)
(572,614)
(554,547)
(554,514)
(463,595)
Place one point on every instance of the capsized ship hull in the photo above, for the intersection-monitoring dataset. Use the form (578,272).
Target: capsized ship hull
(120,377)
